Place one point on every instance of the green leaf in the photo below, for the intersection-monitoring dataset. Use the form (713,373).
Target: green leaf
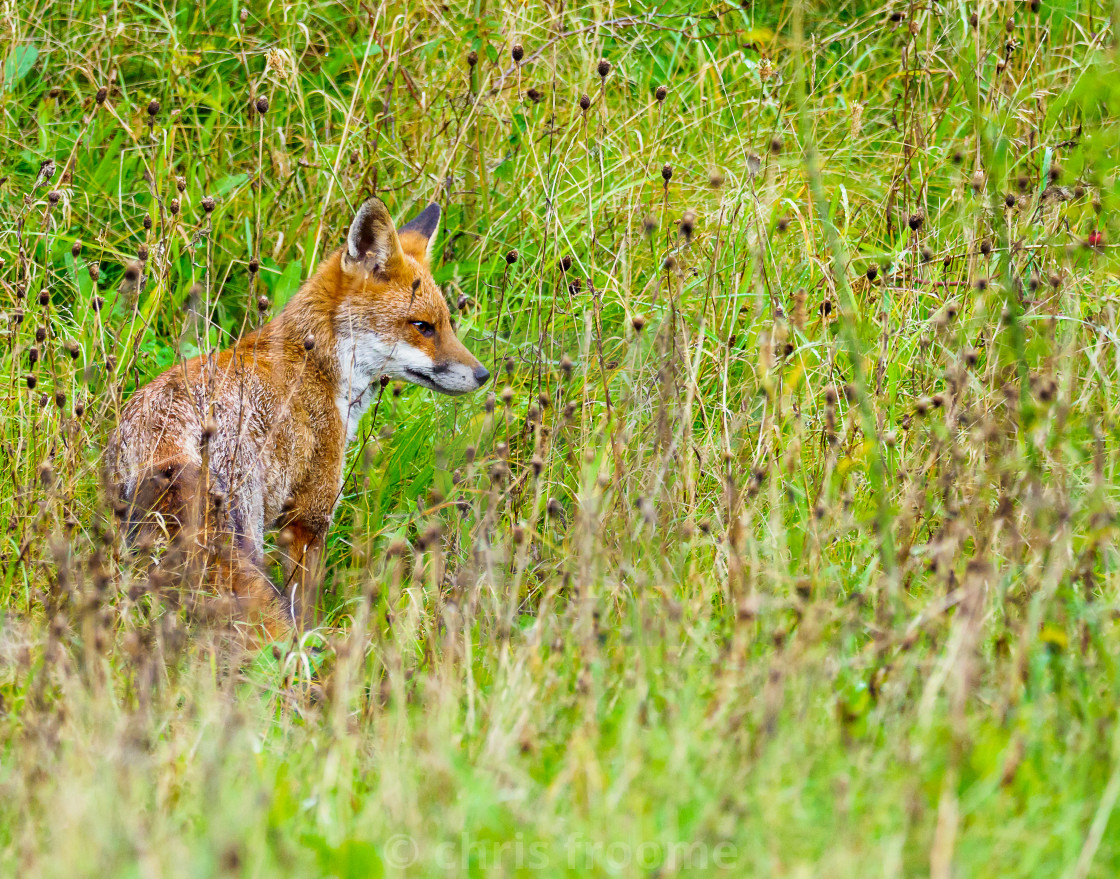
(288,284)
(19,64)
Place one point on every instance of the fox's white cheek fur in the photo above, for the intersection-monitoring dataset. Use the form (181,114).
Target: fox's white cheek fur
(362,359)
(366,356)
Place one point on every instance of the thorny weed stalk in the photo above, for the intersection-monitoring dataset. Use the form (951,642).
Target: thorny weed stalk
(788,524)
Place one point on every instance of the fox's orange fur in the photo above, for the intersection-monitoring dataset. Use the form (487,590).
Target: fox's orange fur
(220,448)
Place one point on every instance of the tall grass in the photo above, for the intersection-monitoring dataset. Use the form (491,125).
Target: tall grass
(784,543)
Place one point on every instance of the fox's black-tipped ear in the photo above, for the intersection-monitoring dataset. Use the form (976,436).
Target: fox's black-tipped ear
(373,238)
(419,234)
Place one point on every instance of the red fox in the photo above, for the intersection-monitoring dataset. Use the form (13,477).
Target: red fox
(219,448)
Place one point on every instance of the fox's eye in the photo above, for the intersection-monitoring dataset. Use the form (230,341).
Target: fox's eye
(424,328)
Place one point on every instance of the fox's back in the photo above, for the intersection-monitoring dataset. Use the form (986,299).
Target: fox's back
(228,411)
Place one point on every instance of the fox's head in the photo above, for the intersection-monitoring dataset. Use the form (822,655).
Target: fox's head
(392,319)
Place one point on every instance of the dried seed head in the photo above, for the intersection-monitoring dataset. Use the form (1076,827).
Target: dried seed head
(102,94)
(53,196)
(783,224)
(147,223)
(830,396)
(511,257)
(535,96)
(209,428)
(308,342)
(472,58)
(638,323)
(1055,173)
(566,365)
(32,355)
(649,224)
(776,145)
(872,272)
(1047,389)
(715,178)
(132,273)
(79,410)
(76,249)
(667,172)
(208,204)
(661,93)
(1009,199)
(1055,280)
(565,263)
(518,52)
(927,254)
(142,253)
(254,265)
(981,284)
(262,304)
(44,298)
(584,102)
(40,334)
(985,247)
(31,381)
(181,183)
(688,224)
(262,105)
(173,206)
(604,67)
(915,221)
(507,395)
(94,271)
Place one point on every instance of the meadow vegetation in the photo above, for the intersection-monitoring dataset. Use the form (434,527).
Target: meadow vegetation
(784,541)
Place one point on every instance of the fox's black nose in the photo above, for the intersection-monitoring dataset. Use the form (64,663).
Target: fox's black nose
(481,375)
